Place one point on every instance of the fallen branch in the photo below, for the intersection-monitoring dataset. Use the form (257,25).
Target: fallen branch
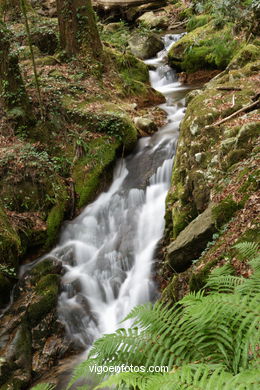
(243,109)
(176,25)
(228,89)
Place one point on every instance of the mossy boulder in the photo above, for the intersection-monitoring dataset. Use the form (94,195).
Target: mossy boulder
(203,48)
(10,244)
(247,133)
(248,53)
(225,210)
(89,171)
(47,290)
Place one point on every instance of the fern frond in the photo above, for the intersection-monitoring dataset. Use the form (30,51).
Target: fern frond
(220,328)
(43,386)
(247,250)
(224,284)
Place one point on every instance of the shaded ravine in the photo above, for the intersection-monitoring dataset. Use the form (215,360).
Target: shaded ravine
(108,250)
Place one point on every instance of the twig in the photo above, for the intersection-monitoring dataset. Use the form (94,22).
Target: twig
(243,109)
(229,89)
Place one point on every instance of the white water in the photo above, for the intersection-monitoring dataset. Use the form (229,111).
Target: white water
(108,251)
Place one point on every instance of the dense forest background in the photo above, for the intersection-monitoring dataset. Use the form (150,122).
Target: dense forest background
(75,96)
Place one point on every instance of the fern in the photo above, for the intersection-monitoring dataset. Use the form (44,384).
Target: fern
(43,386)
(247,250)
(209,340)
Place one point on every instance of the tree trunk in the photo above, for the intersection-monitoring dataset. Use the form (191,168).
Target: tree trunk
(12,90)
(78,29)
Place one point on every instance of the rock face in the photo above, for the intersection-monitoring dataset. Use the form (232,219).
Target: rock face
(31,337)
(191,241)
(145,46)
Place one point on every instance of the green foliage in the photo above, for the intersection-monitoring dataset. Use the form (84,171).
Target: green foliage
(43,386)
(214,53)
(197,21)
(9,271)
(207,341)
(117,37)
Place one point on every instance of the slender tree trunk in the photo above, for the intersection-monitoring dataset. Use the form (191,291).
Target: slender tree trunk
(78,29)
(12,90)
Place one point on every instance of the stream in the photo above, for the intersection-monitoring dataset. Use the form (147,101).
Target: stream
(108,250)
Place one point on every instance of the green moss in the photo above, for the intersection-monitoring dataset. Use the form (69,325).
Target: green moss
(130,66)
(247,133)
(41,269)
(203,48)
(186,13)
(46,60)
(5,289)
(88,171)
(171,292)
(198,21)
(47,283)
(181,217)
(54,221)
(199,279)
(248,53)
(10,243)
(234,156)
(225,210)
(47,293)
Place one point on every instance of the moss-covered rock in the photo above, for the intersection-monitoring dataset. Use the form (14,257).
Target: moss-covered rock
(203,48)
(10,245)
(248,53)
(88,171)
(47,290)
(198,21)
(225,210)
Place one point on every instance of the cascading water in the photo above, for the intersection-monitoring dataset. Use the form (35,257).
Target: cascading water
(108,250)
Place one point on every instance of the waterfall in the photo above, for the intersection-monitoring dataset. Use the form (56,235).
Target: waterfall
(108,250)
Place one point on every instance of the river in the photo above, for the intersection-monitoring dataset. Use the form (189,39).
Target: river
(108,250)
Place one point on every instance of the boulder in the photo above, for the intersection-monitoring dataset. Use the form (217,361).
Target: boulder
(145,124)
(151,20)
(46,8)
(112,27)
(190,243)
(32,339)
(145,46)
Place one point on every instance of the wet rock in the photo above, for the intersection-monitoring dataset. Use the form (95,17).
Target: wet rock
(191,241)
(145,124)
(145,46)
(32,339)
(151,20)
